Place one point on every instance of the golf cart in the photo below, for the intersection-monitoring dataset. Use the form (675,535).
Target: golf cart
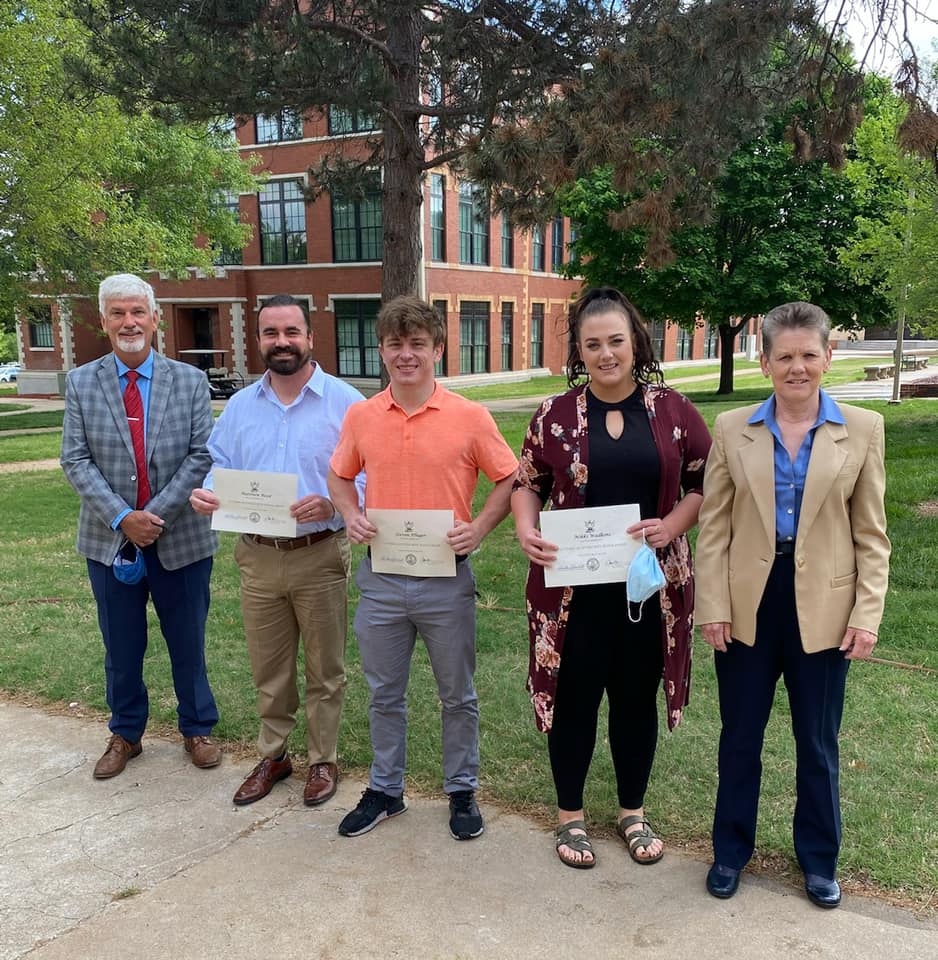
(222,382)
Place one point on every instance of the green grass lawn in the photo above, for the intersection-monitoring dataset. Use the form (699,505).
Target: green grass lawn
(747,375)
(41,446)
(50,648)
(30,420)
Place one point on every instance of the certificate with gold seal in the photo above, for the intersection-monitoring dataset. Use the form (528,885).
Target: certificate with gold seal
(412,542)
(255,501)
(593,546)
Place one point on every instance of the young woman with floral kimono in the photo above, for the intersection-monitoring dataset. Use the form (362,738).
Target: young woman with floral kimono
(620,437)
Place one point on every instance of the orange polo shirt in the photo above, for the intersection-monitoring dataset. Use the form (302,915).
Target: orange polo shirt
(428,460)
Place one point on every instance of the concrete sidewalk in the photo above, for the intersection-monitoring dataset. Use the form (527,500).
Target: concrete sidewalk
(157,863)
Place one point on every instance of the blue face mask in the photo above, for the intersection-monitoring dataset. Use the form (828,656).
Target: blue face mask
(129,566)
(645,578)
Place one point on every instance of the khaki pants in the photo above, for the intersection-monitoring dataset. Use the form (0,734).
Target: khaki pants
(286,594)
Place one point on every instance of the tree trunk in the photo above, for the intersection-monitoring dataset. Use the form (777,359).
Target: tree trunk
(728,331)
(402,242)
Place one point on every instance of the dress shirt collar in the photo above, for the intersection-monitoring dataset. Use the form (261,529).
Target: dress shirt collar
(315,384)
(145,369)
(828,411)
(435,399)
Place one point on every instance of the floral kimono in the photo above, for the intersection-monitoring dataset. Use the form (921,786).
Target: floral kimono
(554,465)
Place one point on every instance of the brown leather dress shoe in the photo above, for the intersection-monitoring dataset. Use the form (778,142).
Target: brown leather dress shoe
(321,783)
(205,752)
(115,757)
(261,780)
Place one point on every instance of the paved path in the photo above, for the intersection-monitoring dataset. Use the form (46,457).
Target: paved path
(157,863)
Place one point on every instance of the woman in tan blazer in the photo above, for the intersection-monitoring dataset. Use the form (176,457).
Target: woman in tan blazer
(792,568)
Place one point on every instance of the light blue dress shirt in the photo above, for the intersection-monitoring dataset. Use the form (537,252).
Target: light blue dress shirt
(258,432)
(790,474)
(143,385)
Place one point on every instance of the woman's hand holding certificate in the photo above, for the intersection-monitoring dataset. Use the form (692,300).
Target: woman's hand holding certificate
(593,545)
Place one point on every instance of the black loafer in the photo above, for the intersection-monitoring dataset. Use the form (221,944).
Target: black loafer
(821,892)
(722,882)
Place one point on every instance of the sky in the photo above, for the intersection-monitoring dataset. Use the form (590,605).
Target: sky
(922,30)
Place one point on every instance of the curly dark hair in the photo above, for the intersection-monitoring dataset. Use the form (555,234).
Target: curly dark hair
(601,300)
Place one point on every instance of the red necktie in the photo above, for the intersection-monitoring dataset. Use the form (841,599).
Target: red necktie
(133,404)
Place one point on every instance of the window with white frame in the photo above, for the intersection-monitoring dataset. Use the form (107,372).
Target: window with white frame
(556,244)
(537,248)
(283,125)
(473,224)
(508,241)
(685,343)
(711,341)
(473,337)
(282,210)
(439,368)
(225,256)
(356,225)
(355,337)
(40,327)
(343,121)
(537,335)
(437,216)
(508,324)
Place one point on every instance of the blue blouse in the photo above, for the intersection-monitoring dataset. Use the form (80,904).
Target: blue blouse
(790,474)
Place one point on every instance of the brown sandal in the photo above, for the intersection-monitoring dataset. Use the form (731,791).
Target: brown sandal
(638,839)
(578,842)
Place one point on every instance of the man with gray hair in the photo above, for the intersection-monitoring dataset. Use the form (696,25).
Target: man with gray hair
(133,447)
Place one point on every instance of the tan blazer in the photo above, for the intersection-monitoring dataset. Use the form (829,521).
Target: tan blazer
(841,549)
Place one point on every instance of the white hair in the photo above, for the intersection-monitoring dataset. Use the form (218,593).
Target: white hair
(120,285)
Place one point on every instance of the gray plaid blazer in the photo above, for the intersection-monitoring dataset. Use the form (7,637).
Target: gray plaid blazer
(98,457)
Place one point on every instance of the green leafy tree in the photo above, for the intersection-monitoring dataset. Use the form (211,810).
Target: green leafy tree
(86,189)
(775,234)
(897,250)
(435,78)
(525,95)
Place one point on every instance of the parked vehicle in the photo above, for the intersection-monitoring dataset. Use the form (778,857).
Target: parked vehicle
(9,372)
(222,382)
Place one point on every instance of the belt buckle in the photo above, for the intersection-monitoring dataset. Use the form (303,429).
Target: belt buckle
(281,540)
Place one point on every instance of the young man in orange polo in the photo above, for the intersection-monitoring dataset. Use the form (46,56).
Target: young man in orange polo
(421,448)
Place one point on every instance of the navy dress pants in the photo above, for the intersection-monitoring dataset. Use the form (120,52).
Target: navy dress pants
(747,677)
(181,599)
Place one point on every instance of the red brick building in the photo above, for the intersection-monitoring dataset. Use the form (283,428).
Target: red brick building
(497,286)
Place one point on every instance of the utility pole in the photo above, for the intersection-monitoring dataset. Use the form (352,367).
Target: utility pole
(903,298)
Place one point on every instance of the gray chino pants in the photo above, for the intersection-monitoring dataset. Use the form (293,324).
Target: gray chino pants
(392,610)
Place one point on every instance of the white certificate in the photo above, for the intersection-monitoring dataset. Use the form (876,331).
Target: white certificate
(593,545)
(255,501)
(412,542)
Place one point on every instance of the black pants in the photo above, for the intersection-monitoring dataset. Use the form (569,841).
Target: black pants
(604,652)
(747,677)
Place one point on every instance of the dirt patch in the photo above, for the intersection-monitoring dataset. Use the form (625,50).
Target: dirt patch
(928,508)
(28,465)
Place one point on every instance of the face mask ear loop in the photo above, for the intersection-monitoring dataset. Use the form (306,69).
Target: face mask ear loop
(628,603)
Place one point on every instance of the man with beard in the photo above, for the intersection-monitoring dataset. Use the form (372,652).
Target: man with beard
(133,446)
(288,422)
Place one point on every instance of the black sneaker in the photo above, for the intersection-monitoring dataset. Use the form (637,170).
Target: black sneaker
(373,807)
(465,821)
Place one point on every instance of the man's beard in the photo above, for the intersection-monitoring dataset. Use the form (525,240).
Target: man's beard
(286,360)
(132,344)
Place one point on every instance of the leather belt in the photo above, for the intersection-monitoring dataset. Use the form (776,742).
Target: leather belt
(785,548)
(290,543)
